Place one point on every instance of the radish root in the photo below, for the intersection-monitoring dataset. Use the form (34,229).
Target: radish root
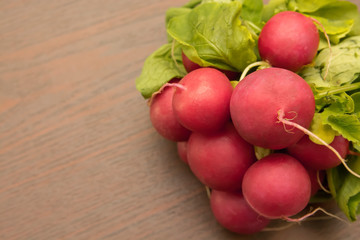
(320,183)
(329,44)
(208,191)
(177,85)
(307,132)
(289,119)
(312,213)
(308,217)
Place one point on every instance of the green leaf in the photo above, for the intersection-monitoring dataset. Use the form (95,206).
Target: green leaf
(323,131)
(348,125)
(340,116)
(159,68)
(218,1)
(252,11)
(330,93)
(345,187)
(335,179)
(336,17)
(335,99)
(171,13)
(192,3)
(356,99)
(335,29)
(344,67)
(343,104)
(234,83)
(332,10)
(177,11)
(273,7)
(262,152)
(348,196)
(355,31)
(356,146)
(212,34)
(308,5)
(174,12)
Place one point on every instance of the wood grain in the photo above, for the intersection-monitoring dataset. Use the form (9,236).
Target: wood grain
(79,158)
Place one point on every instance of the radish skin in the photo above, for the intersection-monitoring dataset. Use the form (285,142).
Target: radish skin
(257,99)
(203,106)
(289,40)
(277,186)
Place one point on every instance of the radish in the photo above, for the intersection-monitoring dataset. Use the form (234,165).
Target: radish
(191,66)
(277,186)
(182,151)
(163,118)
(188,64)
(234,213)
(319,157)
(203,103)
(289,40)
(259,98)
(220,160)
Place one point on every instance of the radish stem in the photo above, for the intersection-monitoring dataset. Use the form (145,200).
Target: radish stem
(254,64)
(354,153)
(339,89)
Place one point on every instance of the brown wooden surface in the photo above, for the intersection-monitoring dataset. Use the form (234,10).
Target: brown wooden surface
(79,158)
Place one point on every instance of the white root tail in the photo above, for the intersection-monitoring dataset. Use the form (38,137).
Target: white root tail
(262,64)
(285,121)
(307,217)
(329,45)
(208,191)
(320,183)
(312,213)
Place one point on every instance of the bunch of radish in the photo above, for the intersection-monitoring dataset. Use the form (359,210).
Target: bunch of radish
(218,126)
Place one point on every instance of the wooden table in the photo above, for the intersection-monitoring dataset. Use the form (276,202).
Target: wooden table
(79,158)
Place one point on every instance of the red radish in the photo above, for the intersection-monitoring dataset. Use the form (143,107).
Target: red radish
(182,150)
(319,157)
(289,40)
(287,122)
(188,64)
(191,66)
(220,160)
(234,213)
(203,104)
(163,119)
(230,74)
(277,186)
(257,100)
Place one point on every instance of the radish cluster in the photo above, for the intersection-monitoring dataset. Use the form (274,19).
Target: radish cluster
(216,128)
